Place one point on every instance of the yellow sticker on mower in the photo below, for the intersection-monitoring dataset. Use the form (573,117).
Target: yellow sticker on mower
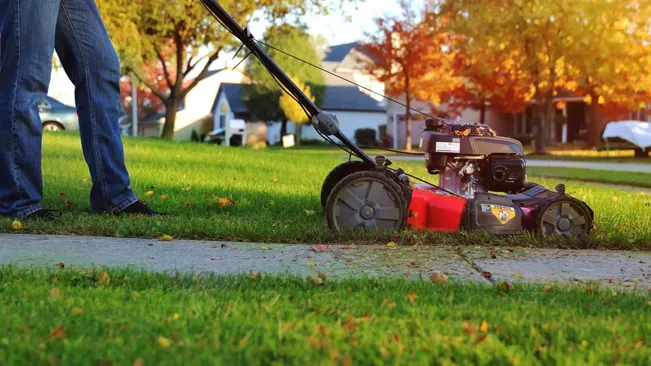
(503,213)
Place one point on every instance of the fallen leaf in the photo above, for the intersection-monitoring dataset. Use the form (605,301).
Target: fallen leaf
(519,276)
(176,316)
(55,294)
(309,212)
(548,288)
(412,296)
(165,238)
(487,275)
(149,194)
(346,247)
(321,275)
(139,362)
(61,265)
(57,333)
(266,247)
(507,286)
(224,202)
(468,328)
(62,196)
(484,326)
(510,250)
(391,244)
(320,248)
(164,342)
(104,279)
(68,204)
(439,277)
(16,225)
(275,180)
(389,303)
(315,280)
(615,199)
(162,197)
(77,311)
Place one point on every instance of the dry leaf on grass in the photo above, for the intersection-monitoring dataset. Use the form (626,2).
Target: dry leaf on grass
(315,280)
(548,288)
(412,296)
(439,277)
(484,326)
(149,194)
(139,362)
(58,333)
(163,342)
(68,204)
(104,279)
(55,294)
(224,202)
(61,265)
(16,225)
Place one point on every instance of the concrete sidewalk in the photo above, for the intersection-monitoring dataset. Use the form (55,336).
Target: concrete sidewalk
(619,269)
(619,167)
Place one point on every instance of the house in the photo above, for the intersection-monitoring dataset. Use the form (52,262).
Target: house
(196,110)
(355,106)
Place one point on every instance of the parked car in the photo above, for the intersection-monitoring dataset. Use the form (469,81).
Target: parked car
(57,116)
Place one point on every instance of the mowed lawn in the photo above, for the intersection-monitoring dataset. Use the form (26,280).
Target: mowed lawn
(276,195)
(120,317)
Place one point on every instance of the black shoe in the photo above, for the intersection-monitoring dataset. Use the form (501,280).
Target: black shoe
(138,208)
(42,215)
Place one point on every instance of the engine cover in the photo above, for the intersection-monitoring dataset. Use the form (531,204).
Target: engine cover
(503,173)
(494,214)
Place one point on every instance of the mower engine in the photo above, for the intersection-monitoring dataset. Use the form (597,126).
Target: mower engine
(473,164)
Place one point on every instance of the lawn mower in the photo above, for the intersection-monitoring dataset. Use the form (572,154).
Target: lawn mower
(472,162)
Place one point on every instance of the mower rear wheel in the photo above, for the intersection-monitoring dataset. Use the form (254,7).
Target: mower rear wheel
(564,216)
(339,173)
(366,200)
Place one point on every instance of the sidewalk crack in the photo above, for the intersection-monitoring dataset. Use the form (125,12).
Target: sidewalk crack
(484,274)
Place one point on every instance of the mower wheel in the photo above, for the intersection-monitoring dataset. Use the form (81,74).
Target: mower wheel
(339,173)
(368,200)
(564,216)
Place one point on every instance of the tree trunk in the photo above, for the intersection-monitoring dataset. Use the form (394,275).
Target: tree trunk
(408,127)
(539,116)
(299,133)
(171,109)
(482,114)
(594,131)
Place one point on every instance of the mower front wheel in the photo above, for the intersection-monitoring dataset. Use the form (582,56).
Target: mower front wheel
(368,200)
(339,173)
(565,216)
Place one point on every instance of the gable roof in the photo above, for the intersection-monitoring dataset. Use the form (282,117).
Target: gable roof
(234,94)
(339,52)
(349,98)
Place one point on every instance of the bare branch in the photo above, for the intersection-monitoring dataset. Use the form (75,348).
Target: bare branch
(159,94)
(165,70)
(203,73)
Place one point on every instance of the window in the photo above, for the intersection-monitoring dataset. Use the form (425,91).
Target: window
(222,121)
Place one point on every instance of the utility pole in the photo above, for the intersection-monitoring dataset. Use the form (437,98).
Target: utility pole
(134,107)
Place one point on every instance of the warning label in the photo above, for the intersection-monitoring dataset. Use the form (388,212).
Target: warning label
(448,147)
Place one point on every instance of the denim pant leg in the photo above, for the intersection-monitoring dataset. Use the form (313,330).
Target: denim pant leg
(89,59)
(26,47)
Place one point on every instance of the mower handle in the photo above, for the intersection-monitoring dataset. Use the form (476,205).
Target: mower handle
(324,123)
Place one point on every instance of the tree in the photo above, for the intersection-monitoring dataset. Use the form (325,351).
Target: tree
(407,56)
(613,55)
(262,95)
(182,38)
(292,110)
(536,35)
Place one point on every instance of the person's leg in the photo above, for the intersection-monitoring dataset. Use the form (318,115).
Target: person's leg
(27,30)
(88,57)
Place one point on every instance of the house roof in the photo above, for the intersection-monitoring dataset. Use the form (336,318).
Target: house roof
(349,98)
(339,52)
(234,94)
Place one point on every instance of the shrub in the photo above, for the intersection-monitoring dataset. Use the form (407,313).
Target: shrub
(366,137)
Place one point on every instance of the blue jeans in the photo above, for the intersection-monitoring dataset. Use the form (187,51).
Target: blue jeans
(31,31)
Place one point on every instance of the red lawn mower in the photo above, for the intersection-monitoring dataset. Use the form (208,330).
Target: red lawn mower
(471,161)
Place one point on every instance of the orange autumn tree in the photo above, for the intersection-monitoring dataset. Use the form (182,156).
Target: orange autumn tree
(408,58)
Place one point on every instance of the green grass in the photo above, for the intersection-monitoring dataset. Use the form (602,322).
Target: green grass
(73,316)
(277,195)
(595,159)
(590,175)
